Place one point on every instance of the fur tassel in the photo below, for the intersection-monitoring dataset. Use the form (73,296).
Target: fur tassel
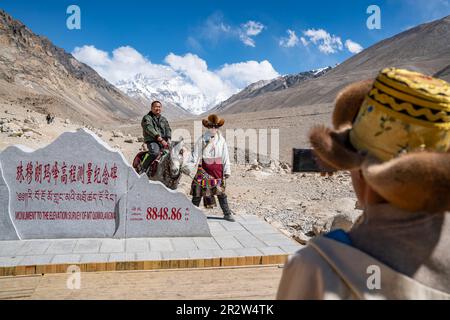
(348,103)
(332,147)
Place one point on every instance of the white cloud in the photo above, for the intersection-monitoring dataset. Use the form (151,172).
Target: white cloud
(91,55)
(291,40)
(196,69)
(249,30)
(252,28)
(304,41)
(353,47)
(326,42)
(243,73)
(247,40)
(125,63)
(215,28)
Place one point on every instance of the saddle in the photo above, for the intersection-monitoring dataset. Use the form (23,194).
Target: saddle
(140,160)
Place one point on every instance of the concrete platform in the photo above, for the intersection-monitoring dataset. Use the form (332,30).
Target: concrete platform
(248,241)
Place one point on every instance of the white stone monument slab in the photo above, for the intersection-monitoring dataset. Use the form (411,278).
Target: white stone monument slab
(7,230)
(77,187)
(68,189)
(155,211)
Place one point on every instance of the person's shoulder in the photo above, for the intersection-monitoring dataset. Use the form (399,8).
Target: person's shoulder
(307,257)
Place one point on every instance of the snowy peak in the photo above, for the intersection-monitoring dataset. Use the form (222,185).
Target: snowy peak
(177,91)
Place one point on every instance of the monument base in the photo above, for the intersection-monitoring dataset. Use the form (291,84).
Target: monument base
(248,241)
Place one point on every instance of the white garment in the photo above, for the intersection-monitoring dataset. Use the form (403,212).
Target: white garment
(212,148)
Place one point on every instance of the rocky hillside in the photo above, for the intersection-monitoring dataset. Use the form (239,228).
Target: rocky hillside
(38,75)
(424,48)
(267,86)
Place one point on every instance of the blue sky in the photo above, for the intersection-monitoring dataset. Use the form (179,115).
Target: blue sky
(221,33)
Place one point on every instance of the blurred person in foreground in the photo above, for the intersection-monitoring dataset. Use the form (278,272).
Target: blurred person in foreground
(393,135)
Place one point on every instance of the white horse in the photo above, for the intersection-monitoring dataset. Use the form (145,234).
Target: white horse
(172,163)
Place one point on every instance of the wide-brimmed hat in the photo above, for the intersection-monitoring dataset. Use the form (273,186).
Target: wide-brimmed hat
(213,121)
(396,129)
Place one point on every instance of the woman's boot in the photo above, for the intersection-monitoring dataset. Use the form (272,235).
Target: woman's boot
(196,201)
(227,214)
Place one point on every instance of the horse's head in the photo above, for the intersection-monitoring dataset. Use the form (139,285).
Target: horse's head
(177,156)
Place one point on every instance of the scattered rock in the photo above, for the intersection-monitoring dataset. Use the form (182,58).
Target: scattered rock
(129,141)
(322,226)
(117,134)
(345,221)
(16,134)
(301,238)
(28,134)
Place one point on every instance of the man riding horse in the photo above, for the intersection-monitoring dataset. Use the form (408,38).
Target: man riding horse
(157,133)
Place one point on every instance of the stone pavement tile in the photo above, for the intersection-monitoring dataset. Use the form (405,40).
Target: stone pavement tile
(260,228)
(36,260)
(94,257)
(275,240)
(66,258)
(251,217)
(161,244)
(61,246)
(225,253)
(183,244)
(33,247)
(228,242)
(215,226)
(206,243)
(232,226)
(10,261)
(249,241)
(87,246)
(248,252)
(10,248)
(271,251)
(137,245)
(255,222)
(223,232)
(174,255)
(122,257)
(148,256)
(239,218)
(235,233)
(201,254)
(291,249)
(112,245)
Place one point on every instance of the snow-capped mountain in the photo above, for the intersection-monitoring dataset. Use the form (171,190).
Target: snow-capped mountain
(177,91)
(180,93)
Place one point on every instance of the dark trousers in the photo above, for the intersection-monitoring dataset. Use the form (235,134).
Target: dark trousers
(153,152)
(223,201)
(153,149)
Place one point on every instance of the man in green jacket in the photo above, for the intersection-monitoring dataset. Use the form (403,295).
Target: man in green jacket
(156,130)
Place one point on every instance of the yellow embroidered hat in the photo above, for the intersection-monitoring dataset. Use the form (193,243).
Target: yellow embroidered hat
(396,131)
(404,111)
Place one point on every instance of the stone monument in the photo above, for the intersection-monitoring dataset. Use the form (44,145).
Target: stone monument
(79,187)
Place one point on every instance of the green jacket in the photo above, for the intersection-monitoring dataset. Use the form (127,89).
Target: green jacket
(154,127)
